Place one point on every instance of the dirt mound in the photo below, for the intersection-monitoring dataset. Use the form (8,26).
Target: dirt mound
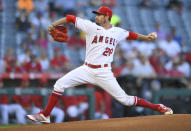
(176,122)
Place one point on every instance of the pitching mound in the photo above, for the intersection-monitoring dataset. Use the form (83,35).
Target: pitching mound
(176,122)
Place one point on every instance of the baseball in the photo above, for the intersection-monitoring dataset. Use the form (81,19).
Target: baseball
(154,34)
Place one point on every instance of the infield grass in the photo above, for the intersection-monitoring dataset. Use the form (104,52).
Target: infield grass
(11,125)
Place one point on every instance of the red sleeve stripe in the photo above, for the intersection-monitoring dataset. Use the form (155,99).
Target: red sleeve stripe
(71,18)
(132,36)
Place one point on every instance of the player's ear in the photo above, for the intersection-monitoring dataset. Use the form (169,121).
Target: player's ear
(108,18)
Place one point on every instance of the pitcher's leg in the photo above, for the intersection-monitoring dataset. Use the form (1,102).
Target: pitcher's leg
(112,87)
(110,84)
(76,77)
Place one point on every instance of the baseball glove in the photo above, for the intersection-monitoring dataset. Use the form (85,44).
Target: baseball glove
(59,33)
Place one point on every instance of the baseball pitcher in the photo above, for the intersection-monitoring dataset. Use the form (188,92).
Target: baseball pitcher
(101,41)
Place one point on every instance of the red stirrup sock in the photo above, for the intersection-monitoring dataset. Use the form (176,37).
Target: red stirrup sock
(52,101)
(144,103)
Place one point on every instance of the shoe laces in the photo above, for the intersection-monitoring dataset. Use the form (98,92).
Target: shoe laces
(163,108)
(38,116)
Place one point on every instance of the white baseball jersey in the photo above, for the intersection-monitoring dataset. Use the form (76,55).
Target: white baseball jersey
(100,43)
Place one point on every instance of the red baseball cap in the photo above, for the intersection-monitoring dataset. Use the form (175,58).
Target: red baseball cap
(104,10)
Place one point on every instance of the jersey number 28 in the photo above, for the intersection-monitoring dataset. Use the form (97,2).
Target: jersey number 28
(108,51)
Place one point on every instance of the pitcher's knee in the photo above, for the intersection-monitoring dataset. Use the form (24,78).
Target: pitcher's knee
(128,100)
(60,85)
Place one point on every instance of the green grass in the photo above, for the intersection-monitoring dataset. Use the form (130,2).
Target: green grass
(12,125)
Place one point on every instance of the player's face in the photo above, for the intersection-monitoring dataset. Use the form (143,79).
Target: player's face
(100,19)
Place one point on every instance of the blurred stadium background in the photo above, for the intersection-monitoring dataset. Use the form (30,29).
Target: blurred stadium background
(30,61)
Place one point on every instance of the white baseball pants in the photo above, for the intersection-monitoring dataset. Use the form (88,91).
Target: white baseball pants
(102,77)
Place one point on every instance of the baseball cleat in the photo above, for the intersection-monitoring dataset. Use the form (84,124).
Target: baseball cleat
(165,110)
(39,118)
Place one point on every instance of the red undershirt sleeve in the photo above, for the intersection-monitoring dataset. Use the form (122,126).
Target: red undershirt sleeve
(132,36)
(71,18)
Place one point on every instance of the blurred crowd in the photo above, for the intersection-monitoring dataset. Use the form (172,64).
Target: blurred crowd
(1,6)
(175,5)
(37,52)
(168,56)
